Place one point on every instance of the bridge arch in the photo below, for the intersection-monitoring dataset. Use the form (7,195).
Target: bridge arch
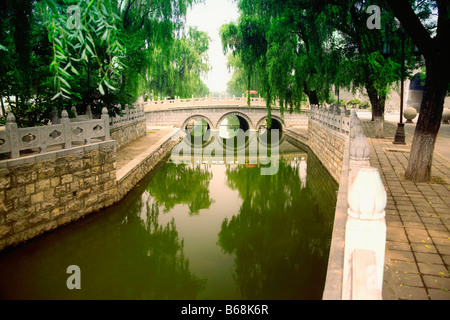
(197,117)
(277,121)
(241,116)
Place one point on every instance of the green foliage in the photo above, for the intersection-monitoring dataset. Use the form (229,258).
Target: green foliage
(354,103)
(310,45)
(283,45)
(98,53)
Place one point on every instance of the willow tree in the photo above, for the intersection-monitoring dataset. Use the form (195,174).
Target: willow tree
(238,84)
(300,60)
(60,53)
(294,59)
(363,64)
(176,70)
(434,45)
(24,59)
(246,39)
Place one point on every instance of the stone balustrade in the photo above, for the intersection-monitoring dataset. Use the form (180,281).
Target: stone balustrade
(64,134)
(128,116)
(365,232)
(205,101)
(332,117)
(356,263)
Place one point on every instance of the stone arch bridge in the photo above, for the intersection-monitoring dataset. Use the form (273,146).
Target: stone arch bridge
(180,113)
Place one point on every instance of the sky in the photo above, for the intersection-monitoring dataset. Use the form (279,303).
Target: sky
(210,16)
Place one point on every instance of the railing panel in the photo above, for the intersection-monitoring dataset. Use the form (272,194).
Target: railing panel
(5,143)
(13,140)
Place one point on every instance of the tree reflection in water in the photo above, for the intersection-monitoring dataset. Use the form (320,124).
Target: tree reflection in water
(182,184)
(280,245)
(158,253)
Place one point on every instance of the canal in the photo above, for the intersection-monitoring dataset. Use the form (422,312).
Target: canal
(192,231)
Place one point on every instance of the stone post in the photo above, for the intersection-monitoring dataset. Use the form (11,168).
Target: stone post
(359,157)
(127,112)
(13,129)
(55,118)
(74,110)
(67,129)
(343,116)
(105,118)
(89,112)
(365,237)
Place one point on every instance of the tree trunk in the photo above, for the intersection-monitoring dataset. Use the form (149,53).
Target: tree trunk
(378,104)
(312,95)
(313,99)
(3,107)
(428,124)
(249,79)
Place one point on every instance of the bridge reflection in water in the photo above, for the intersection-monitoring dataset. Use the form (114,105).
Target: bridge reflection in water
(193,231)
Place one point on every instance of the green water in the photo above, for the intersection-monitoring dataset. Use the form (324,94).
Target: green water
(192,232)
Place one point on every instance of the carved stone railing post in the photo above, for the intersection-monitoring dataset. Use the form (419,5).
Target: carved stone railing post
(105,118)
(341,120)
(365,237)
(12,128)
(359,156)
(89,112)
(74,110)
(67,129)
(55,118)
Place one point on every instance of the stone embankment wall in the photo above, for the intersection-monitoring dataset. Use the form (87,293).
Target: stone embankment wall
(42,192)
(328,145)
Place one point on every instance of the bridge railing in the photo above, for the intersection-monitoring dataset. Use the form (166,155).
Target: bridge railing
(206,101)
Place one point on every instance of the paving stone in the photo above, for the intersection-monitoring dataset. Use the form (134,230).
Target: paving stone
(432,269)
(428,257)
(396,234)
(443,249)
(446,259)
(438,232)
(412,293)
(396,245)
(410,280)
(424,248)
(437,282)
(439,294)
(405,267)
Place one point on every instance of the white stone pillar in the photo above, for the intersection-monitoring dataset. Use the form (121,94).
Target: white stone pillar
(67,131)
(365,237)
(13,130)
(105,118)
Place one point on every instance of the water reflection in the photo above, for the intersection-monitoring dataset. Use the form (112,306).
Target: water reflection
(126,253)
(279,240)
(182,184)
(220,231)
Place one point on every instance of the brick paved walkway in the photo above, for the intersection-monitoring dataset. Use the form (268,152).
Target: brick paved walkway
(418,222)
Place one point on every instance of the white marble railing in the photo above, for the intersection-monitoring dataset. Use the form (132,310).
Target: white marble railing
(333,117)
(356,265)
(65,133)
(206,101)
(129,116)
